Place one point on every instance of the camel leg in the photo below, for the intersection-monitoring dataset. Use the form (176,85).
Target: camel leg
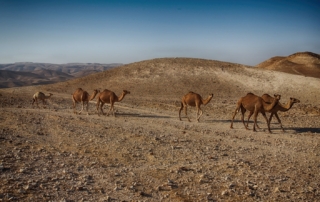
(101,108)
(114,114)
(200,114)
(255,119)
(35,101)
(87,108)
(81,108)
(234,114)
(111,107)
(243,111)
(74,107)
(278,121)
(254,124)
(270,118)
(185,112)
(181,107)
(249,116)
(97,107)
(268,123)
(197,113)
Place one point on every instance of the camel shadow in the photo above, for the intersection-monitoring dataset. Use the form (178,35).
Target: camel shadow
(221,121)
(140,115)
(229,121)
(305,130)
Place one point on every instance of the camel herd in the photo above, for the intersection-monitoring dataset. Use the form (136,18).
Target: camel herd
(255,105)
(251,102)
(83,97)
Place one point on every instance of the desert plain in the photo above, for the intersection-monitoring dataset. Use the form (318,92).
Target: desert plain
(145,153)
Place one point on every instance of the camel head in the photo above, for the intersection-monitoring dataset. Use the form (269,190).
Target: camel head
(125,92)
(210,96)
(294,100)
(96,91)
(206,101)
(277,96)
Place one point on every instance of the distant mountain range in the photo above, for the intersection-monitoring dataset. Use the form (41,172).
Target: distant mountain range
(28,73)
(301,63)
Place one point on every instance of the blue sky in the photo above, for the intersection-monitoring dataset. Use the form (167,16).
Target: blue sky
(125,31)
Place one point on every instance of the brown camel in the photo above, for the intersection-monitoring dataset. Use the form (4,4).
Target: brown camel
(40,96)
(194,100)
(82,96)
(255,105)
(110,97)
(279,107)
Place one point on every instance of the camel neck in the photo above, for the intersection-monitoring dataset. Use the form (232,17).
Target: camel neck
(286,107)
(93,96)
(121,97)
(268,107)
(206,101)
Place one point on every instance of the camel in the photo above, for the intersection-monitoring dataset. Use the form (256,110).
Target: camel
(40,96)
(194,100)
(279,107)
(82,96)
(107,96)
(255,105)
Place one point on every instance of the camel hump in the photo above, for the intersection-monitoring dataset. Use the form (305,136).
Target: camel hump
(79,89)
(39,94)
(266,94)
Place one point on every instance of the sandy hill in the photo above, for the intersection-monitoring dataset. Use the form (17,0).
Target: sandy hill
(301,63)
(169,78)
(146,153)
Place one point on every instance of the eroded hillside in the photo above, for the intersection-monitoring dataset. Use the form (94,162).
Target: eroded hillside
(301,63)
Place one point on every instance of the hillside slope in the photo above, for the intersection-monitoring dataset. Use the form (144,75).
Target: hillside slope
(169,78)
(301,63)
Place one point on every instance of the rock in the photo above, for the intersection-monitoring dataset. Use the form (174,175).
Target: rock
(225,193)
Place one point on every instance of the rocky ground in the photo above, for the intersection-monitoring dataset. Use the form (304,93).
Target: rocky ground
(146,153)
(50,154)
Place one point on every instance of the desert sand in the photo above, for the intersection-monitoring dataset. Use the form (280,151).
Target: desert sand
(145,153)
